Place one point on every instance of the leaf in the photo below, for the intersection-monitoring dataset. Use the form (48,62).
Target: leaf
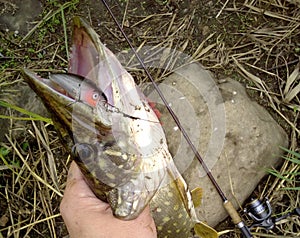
(278,175)
(4,151)
(294,153)
(289,92)
(251,76)
(292,188)
(295,161)
(33,116)
(292,78)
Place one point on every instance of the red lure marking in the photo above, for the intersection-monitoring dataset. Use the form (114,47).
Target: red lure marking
(90,96)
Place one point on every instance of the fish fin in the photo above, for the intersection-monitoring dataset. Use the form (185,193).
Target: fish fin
(205,231)
(182,189)
(197,194)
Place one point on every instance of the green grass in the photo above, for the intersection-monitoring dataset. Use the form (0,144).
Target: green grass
(32,116)
(291,176)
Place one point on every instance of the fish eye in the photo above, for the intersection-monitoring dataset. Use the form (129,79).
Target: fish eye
(84,151)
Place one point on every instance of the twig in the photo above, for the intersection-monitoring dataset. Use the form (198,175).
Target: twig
(65,31)
(219,13)
(125,12)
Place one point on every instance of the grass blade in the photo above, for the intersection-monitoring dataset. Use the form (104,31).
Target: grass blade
(33,116)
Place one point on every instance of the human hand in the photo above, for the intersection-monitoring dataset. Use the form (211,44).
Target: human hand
(87,216)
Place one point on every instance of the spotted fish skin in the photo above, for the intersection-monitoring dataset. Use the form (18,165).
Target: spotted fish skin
(170,215)
(119,169)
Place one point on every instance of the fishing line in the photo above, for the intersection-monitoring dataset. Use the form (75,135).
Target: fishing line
(237,220)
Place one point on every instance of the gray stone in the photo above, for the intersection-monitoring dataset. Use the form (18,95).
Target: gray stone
(16,15)
(237,138)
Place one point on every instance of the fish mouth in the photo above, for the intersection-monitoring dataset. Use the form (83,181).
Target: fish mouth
(91,59)
(87,57)
(86,50)
(43,85)
(87,60)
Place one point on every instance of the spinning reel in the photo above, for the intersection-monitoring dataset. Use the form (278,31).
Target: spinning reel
(261,214)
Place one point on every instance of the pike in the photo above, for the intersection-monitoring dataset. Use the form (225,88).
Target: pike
(116,139)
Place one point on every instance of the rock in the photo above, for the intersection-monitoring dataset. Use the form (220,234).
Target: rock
(237,138)
(16,15)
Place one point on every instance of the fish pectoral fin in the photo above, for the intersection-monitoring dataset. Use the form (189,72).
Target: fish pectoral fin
(205,231)
(197,194)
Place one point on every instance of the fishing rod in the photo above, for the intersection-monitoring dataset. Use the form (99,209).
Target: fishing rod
(237,220)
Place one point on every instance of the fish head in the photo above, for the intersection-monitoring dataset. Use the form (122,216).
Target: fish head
(119,143)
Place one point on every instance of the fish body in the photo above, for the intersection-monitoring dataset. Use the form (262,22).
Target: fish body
(116,137)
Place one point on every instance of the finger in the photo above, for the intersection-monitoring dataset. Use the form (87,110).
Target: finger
(146,220)
(76,185)
(74,172)
(76,190)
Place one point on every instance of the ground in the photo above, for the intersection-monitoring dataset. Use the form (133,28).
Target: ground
(254,42)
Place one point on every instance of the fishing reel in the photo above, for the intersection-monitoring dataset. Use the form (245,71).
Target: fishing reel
(260,211)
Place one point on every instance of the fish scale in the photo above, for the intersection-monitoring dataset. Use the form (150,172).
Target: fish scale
(125,160)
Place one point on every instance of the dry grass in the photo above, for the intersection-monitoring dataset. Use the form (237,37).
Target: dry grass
(256,42)
(32,184)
